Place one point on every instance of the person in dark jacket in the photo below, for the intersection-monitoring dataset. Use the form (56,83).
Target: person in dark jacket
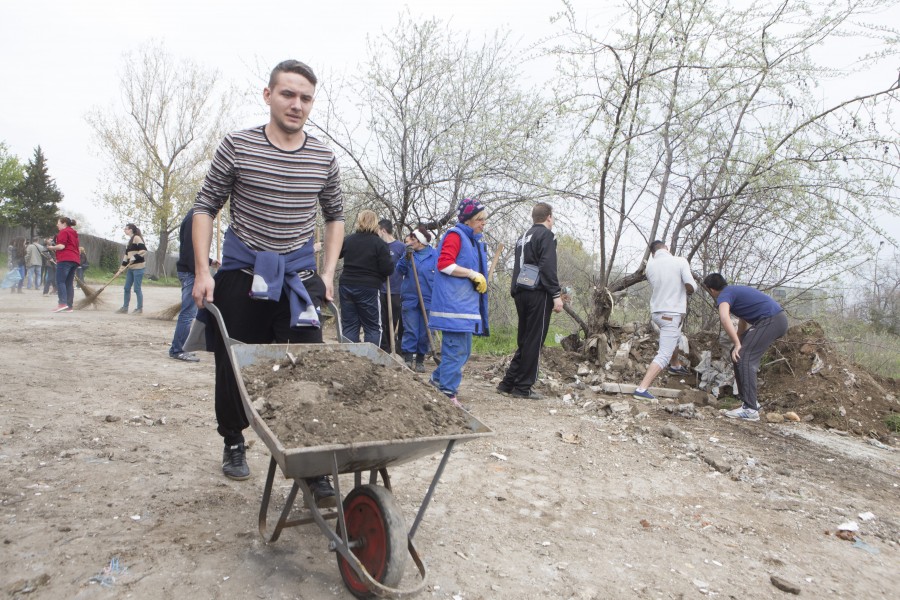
(397,249)
(185,270)
(84,264)
(536,247)
(367,261)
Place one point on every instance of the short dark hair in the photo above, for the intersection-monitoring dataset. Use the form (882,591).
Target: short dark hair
(292,66)
(656,245)
(540,212)
(386,225)
(714,281)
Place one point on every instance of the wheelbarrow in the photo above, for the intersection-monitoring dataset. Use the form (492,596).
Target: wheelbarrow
(370,537)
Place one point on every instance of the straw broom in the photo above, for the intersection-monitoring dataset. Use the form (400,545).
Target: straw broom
(88,290)
(92,299)
(169,313)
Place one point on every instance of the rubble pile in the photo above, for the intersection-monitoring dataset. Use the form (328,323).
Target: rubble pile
(802,377)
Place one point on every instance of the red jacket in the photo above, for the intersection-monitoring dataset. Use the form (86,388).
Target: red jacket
(68,237)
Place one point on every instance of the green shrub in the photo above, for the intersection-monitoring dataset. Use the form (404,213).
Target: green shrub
(893,422)
(109,258)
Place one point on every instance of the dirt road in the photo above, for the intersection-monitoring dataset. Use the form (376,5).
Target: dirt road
(112,488)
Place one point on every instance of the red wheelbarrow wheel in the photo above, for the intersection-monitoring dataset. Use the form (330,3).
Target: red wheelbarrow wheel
(375,523)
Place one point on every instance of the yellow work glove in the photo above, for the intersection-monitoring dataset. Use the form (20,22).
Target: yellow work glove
(478,281)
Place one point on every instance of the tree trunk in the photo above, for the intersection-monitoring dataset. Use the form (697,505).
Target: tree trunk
(161,251)
(603,300)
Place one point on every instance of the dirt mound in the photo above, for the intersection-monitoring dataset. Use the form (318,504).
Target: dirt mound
(332,397)
(804,373)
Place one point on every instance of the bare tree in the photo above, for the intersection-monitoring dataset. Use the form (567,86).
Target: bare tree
(159,146)
(440,118)
(696,123)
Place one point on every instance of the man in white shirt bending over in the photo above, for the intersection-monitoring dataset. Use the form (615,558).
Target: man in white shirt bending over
(672,282)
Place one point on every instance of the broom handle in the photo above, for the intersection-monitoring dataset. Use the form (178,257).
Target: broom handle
(119,272)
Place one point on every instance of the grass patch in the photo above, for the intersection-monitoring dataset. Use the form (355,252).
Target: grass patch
(502,340)
(728,403)
(94,276)
(893,422)
(878,353)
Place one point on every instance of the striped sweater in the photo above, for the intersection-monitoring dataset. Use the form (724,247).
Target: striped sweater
(135,253)
(273,192)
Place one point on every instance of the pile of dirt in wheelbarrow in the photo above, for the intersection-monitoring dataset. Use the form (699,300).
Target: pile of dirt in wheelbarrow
(334,397)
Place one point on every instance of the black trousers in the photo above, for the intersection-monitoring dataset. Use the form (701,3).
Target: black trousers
(396,310)
(533,308)
(252,322)
(754,343)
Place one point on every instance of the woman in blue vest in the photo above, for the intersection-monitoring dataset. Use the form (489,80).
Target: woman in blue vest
(459,306)
(414,344)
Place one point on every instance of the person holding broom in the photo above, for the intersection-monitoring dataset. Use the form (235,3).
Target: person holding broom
(420,259)
(67,260)
(134,262)
(275,176)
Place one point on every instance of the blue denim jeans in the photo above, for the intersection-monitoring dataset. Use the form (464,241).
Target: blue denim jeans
(186,316)
(360,307)
(33,277)
(49,278)
(134,277)
(65,282)
(455,350)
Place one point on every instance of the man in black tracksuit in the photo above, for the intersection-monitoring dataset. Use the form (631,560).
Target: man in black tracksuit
(536,247)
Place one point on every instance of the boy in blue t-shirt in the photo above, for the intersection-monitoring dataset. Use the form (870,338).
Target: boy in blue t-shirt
(762,321)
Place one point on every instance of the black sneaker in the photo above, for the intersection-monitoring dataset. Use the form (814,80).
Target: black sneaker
(234,462)
(530,394)
(322,491)
(503,390)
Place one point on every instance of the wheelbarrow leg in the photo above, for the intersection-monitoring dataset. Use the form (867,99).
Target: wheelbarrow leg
(430,493)
(264,507)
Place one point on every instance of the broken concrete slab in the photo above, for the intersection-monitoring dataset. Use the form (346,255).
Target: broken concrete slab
(627,388)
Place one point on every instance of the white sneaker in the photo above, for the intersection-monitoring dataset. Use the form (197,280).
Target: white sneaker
(747,414)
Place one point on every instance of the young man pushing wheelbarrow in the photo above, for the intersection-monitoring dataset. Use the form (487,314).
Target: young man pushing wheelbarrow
(268,288)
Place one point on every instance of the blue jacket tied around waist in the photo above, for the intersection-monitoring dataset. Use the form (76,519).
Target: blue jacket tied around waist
(273,271)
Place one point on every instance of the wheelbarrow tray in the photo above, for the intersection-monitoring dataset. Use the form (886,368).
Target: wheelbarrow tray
(314,461)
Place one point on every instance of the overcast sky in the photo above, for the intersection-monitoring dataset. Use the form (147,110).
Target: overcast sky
(62,57)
